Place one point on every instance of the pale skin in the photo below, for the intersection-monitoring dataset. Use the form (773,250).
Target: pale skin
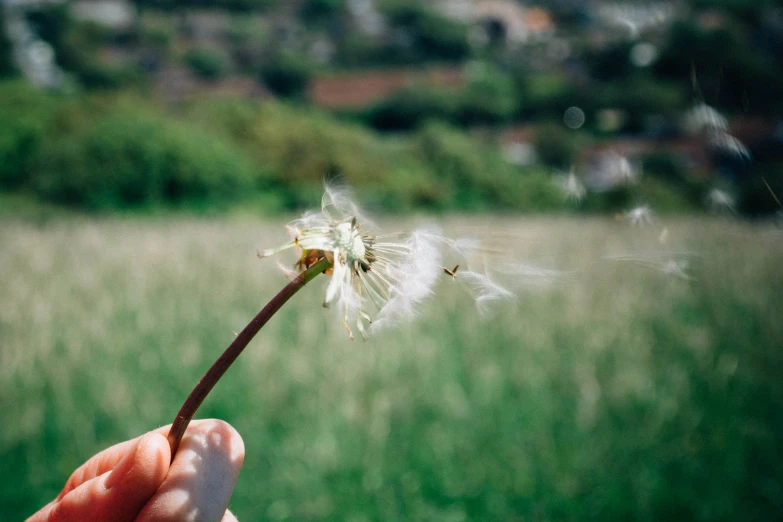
(136,481)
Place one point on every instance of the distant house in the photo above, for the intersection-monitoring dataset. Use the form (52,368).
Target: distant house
(500,21)
(607,165)
(203,26)
(634,18)
(361,89)
(113,14)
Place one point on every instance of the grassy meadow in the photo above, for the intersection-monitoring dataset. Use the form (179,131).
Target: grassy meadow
(619,392)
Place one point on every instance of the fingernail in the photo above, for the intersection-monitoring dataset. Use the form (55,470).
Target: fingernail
(124,466)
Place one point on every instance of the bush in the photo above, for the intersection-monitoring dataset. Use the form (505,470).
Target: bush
(25,114)
(207,64)
(304,146)
(7,67)
(556,146)
(475,176)
(490,97)
(433,36)
(410,107)
(286,74)
(321,10)
(733,72)
(666,167)
(129,159)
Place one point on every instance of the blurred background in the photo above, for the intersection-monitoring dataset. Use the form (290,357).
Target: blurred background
(443,105)
(149,147)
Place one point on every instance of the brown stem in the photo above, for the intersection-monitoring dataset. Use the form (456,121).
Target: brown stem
(220,366)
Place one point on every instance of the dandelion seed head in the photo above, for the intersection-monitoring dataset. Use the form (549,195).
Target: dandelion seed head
(388,275)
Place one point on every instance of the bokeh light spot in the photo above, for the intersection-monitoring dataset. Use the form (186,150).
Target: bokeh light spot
(574,117)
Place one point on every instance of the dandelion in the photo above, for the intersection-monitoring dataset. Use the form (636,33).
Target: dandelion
(375,279)
(379,280)
(639,216)
(389,274)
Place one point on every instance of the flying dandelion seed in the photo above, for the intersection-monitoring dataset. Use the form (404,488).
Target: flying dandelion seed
(702,117)
(572,188)
(619,170)
(673,264)
(639,217)
(725,142)
(530,276)
(379,280)
(677,268)
(664,236)
(720,201)
(706,120)
(486,292)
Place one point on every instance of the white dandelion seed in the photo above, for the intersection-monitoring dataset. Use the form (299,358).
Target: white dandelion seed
(664,236)
(673,264)
(623,170)
(720,201)
(639,217)
(529,276)
(702,118)
(677,268)
(487,293)
(572,188)
(725,142)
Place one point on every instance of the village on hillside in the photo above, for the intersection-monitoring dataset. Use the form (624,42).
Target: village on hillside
(671,88)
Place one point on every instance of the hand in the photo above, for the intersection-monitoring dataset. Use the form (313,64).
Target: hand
(133,480)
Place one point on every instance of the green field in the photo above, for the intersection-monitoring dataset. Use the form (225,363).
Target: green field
(618,393)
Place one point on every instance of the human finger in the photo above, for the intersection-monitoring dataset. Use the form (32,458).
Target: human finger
(119,493)
(201,477)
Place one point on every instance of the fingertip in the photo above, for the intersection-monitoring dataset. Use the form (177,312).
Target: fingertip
(224,434)
(119,494)
(202,476)
(152,460)
(134,486)
(146,463)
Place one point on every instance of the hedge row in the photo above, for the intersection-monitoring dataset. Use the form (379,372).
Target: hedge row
(117,151)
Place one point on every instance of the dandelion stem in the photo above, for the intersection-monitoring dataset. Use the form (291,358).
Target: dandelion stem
(231,353)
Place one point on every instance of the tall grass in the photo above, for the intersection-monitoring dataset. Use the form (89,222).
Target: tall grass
(620,393)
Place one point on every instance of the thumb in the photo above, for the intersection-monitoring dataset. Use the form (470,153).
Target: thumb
(120,494)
